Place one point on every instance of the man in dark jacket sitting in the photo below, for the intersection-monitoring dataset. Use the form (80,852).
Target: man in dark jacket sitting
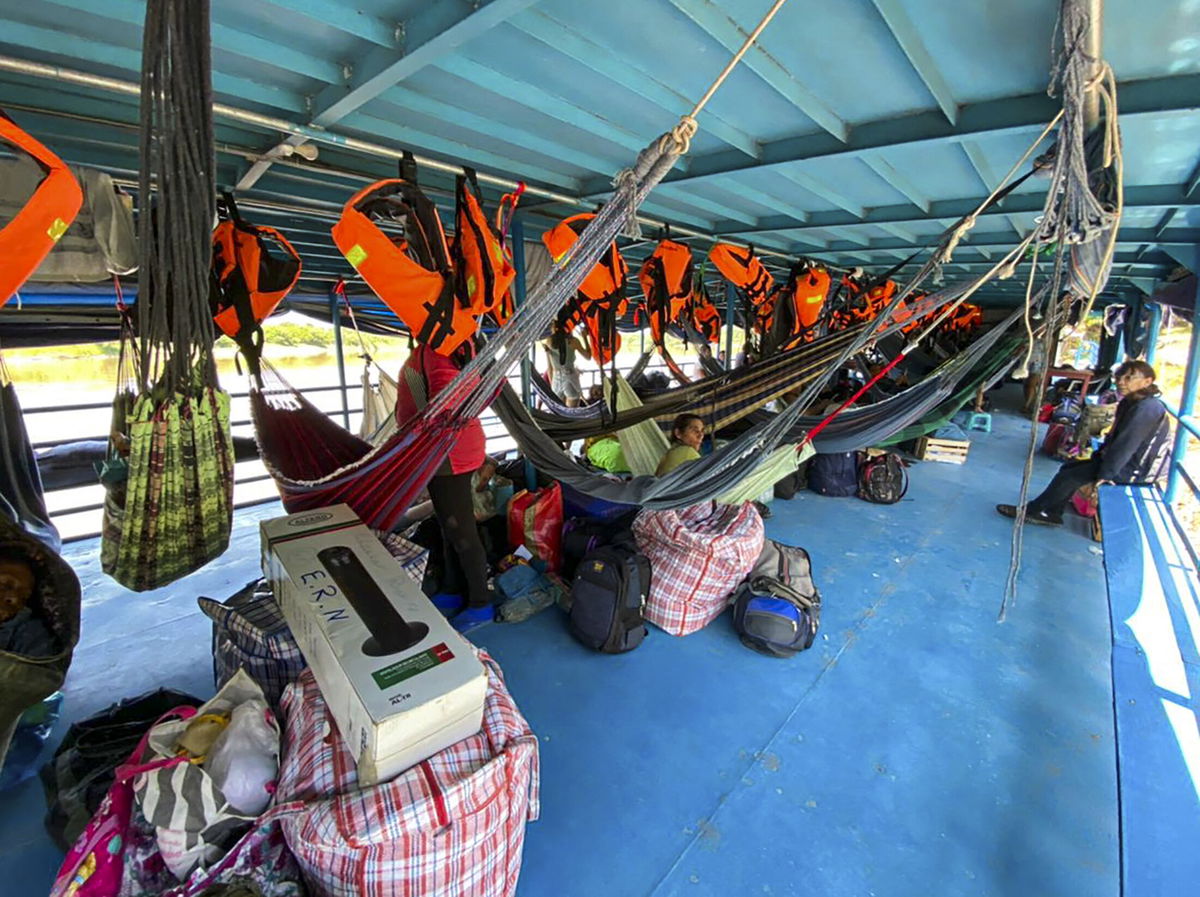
(1133,452)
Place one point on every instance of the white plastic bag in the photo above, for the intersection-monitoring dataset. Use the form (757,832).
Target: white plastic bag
(244,761)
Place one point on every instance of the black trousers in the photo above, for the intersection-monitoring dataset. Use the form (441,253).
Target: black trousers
(465,566)
(1070,477)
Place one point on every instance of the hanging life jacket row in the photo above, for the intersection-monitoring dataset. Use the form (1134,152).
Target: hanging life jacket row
(666,277)
(28,238)
(439,290)
(253,270)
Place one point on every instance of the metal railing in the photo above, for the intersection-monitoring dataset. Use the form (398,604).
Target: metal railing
(499,443)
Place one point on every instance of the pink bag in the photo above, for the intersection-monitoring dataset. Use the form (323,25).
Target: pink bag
(94,865)
(1086,501)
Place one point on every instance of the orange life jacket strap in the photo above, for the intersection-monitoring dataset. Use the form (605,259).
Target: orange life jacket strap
(28,238)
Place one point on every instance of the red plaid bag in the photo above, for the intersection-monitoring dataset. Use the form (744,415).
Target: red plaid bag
(453,825)
(698,555)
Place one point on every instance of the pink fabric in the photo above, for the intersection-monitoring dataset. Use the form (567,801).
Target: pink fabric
(453,825)
(698,556)
(468,452)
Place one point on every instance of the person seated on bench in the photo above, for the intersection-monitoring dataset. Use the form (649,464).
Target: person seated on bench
(1134,451)
(687,432)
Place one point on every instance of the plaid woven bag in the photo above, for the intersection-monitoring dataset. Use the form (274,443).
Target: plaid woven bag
(453,825)
(250,633)
(698,556)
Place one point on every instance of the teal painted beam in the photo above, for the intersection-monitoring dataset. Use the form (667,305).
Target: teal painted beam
(849,236)
(908,36)
(990,181)
(704,204)
(898,232)
(130,61)
(1165,223)
(1009,115)
(231,40)
(1193,182)
(452,149)
(401,99)
(606,62)
(541,98)
(439,29)
(717,24)
(770,200)
(1126,238)
(347,19)
(897,180)
(1157,196)
(823,190)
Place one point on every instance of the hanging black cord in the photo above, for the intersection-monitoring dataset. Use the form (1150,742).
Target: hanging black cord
(177,193)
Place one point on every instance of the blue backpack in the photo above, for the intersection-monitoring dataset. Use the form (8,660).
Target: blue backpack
(777,610)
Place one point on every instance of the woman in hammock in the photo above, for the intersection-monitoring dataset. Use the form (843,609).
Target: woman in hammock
(687,433)
(463,593)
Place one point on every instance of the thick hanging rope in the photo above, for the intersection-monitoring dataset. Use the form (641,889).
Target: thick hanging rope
(176,190)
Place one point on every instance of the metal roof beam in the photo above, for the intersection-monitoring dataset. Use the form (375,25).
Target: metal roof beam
(346,19)
(1193,182)
(1149,96)
(975,156)
(438,29)
(224,38)
(604,61)
(896,180)
(852,209)
(1126,236)
(86,49)
(538,98)
(1158,196)
(729,34)
(908,36)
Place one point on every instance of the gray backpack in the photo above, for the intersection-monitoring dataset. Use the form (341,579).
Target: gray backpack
(777,609)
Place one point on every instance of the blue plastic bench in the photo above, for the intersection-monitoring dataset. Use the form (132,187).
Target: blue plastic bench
(1154,599)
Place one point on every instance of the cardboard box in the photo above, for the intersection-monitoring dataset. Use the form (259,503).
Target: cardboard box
(400,682)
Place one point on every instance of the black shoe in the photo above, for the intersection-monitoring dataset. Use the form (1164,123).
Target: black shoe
(1043,518)
(763,511)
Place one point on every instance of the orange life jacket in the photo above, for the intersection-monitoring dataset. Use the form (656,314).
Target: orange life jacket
(796,312)
(30,236)
(483,268)
(743,269)
(666,279)
(248,280)
(601,297)
(702,314)
(412,274)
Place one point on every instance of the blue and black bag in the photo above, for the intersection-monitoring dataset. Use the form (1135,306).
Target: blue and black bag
(777,610)
(834,474)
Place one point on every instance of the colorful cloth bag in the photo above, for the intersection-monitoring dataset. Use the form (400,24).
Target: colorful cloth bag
(453,825)
(698,556)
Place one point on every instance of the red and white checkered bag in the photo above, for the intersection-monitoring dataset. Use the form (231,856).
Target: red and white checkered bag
(698,555)
(453,825)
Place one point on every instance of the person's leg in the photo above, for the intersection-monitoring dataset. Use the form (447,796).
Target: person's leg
(1073,474)
(451,496)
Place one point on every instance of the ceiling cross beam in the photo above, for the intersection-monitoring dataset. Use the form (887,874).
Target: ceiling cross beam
(908,36)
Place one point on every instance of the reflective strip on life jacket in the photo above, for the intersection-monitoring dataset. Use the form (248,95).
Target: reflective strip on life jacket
(666,279)
(249,281)
(28,238)
(483,270)
(411,275)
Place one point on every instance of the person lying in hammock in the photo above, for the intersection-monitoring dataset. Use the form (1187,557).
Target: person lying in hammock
(463,593)
(687,433)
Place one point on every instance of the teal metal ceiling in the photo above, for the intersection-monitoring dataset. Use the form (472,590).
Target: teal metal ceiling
(854,132)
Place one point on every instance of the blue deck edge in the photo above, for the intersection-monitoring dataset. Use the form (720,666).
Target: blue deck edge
(1153,601)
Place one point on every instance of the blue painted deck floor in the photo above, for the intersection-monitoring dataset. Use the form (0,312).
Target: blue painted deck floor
(921,748)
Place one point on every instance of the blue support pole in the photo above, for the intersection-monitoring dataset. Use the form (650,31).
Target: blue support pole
(1187,404)
(517,241)
(336,319)
(1153,332)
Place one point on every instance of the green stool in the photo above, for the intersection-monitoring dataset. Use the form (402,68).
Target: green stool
(978,420)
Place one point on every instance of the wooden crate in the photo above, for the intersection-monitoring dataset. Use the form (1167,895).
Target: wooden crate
(953,451)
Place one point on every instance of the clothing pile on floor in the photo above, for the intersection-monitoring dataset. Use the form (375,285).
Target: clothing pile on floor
(280,785)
